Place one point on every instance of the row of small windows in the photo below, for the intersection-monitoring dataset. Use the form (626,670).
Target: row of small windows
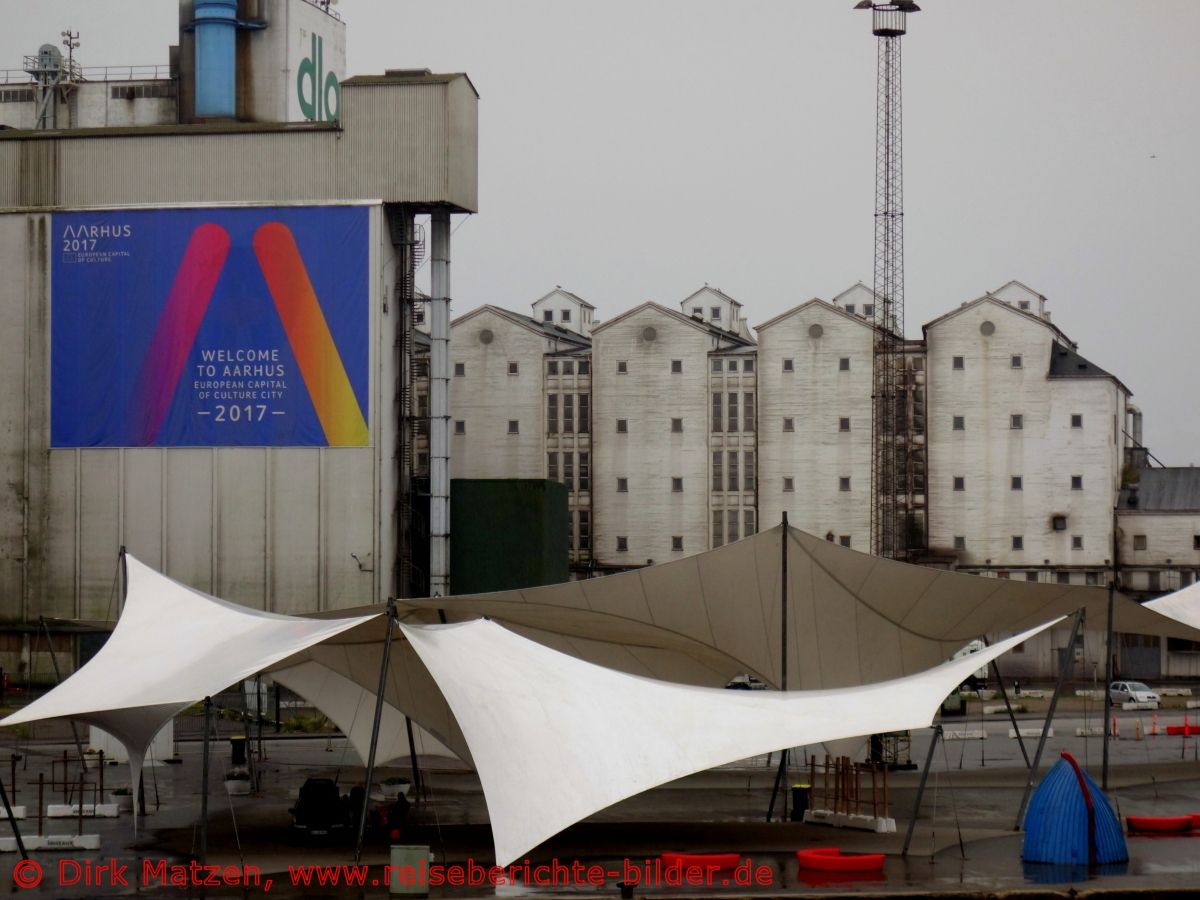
(563,316)
(729,421)
(789,483)
(1018,542)
(567,470)
(789,424)
(789,365)
(958,363)
(725,525)
(1016,421)
(1017,483)
(581,539)
(568,367)
(726,470)
(1141,542)
(714,313)
(568,422)
(161,88)
(721,365)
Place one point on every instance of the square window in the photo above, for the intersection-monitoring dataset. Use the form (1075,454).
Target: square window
(960,423)
(584,367)
(868,309)
(1018,542)
(514,426)
(844,423)
(789,485)
(960,542)
(418,316)
(1016,422)
(733,365)
(918,364)
(1058,523)
(1077,482)
(1016,361)
(844,540)
(460,427)
(1139,542)
(568,367)
(552,367)
(566,315)
(1016,482)
(1022,304)
(1031,576)
(789,365)
(1092,578)
(716,365)
(698,312)
(960,483)
(1196,541)
(514,368)
(422,460)
(1064,577)
(622,543)
(622,367)
(789,424)
(958,362)
(622,426)
(676,366)
(844,364)
(460,369)
(715,314)
(677,485)
(677,425)
(547,315)
(1076,420)
(844,483)
(850,308)
(747,365)
(622,485)
(677,542)
(1077,542)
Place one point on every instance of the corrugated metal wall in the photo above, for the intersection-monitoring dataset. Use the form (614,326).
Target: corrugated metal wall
(287,529)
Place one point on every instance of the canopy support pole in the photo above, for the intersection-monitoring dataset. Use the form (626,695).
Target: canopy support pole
(12,820)
(1065,667)
(383,673)
(204,766)
(1012,717)
(783,661)
(412,758)
(912,822)
(58,680)
(1108,676)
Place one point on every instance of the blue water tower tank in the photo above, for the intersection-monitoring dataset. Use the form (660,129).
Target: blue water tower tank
(215,23)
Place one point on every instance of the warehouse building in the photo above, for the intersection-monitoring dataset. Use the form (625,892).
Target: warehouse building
(240,166)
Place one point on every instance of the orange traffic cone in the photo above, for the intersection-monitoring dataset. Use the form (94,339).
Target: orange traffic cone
(1154,724)
(1113,730)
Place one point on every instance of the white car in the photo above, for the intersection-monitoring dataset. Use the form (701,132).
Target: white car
(1131,692)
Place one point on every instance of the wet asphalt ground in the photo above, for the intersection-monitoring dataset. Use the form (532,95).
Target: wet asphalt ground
(964,843)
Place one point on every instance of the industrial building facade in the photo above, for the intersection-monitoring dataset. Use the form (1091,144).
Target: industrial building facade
(1024,459)
(275,518)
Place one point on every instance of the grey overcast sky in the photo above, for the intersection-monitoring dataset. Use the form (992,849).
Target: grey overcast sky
(634,150)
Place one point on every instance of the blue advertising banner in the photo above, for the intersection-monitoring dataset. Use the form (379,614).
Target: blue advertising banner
(226,327)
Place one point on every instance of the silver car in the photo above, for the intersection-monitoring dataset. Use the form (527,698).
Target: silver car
(1131,692)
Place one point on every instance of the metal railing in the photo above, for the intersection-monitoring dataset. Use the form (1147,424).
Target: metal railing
(95,73)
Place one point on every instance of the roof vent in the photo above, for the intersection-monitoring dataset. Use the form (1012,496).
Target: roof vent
(407,73)
(486,336)
(815,331)
(649,333)
(987,329)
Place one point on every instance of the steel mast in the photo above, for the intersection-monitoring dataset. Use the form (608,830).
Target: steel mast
(891,499)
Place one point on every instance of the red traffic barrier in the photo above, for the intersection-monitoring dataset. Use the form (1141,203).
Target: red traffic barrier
(831,859)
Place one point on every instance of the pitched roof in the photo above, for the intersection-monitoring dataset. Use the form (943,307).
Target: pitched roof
(1001,304)
(1175,489)
(543,329)
(1065,362)
(712,290)
(565,293)
(866,323)
(698,324)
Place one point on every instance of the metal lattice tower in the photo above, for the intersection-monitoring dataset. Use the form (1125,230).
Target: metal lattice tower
(889,482)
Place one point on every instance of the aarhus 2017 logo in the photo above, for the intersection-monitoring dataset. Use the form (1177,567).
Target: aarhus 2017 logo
(319,92)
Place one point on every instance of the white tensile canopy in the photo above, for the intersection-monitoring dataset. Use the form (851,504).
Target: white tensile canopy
(1182,606)
(172,647)
(556,739)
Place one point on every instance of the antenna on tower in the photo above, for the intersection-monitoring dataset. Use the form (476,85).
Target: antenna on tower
(892,494)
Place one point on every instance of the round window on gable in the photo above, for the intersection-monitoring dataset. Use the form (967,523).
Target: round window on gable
(815,331)
(649,333)
(486,336)
(987,329)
